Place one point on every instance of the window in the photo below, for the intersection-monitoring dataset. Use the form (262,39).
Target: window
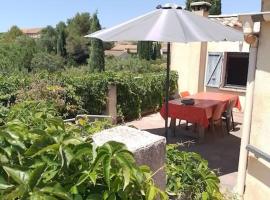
(236,69)
(227,69)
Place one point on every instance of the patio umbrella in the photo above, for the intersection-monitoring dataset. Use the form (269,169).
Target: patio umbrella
(169,23)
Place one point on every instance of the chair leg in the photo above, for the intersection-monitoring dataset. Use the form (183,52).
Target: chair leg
(227,126)
(195,126)
(233,127)
(186,125)
(212,126)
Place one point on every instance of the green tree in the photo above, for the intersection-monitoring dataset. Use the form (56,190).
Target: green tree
(17,55)
(76,45)
(9,55)
(156,51)
(46,61)
(27,48)
(61,39)
(96,60)
(145,49)
(12,34)
(48,40)
(108,45)
(214,10)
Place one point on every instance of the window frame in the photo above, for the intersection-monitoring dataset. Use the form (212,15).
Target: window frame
(224,72)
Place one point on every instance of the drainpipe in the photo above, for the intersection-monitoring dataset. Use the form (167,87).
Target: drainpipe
(253,40)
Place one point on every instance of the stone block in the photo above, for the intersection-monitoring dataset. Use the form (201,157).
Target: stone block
(147,148)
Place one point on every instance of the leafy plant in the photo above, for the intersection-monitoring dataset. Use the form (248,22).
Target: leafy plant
(9,86)
(47,61)
(53,160)
(189,177)
(134,64)
(67,103)
(78,91)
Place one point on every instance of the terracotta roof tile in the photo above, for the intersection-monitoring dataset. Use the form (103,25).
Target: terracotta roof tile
(228,20)
(31,30)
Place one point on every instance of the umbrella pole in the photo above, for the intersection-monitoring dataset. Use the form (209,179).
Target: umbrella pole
(167,89)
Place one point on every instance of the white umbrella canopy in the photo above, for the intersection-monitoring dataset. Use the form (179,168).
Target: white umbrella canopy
(169,24)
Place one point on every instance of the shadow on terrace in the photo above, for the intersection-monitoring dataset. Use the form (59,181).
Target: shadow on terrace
(218,148)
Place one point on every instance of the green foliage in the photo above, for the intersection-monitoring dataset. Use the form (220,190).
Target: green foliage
(53,160)
(17,55)
(77,49)
(156,51)
(108,45)
(134,64)
(76,91)
(96,60)
(145,49)
(80,24)
(76,45)
(9,86)
(189,177)
(9,57)
(66,102)
(12,34)
(135,92)
(46,61)
(142,93)
(214,10)
(48,39)
(149,50)
(66,40)
(61,39)
(28,48)
(31,113)
(90,88)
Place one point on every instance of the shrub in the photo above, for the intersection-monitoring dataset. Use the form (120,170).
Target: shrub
(17,56)
(77,91)
(189,177)
(46,61)
(12,57)
(134,64)
(90,88)
(31,113)
(135,92)
(53,160)
(64,99)
(9,86)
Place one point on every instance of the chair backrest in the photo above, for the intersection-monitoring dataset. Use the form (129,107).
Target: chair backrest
(184,94)
(217,113)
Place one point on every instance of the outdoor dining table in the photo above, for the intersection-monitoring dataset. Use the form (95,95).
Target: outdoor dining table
(202,110)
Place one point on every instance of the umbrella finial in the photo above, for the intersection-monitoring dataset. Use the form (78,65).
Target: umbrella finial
(159,6)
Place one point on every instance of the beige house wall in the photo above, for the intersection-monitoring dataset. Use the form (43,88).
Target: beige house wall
(185,60)
(190,61)
(258,174)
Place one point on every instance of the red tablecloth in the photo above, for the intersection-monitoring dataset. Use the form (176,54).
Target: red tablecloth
(202,110)
(221,97)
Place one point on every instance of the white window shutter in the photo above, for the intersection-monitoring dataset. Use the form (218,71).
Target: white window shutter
(214,69)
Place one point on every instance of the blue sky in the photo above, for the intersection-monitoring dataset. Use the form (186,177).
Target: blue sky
(39,13)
